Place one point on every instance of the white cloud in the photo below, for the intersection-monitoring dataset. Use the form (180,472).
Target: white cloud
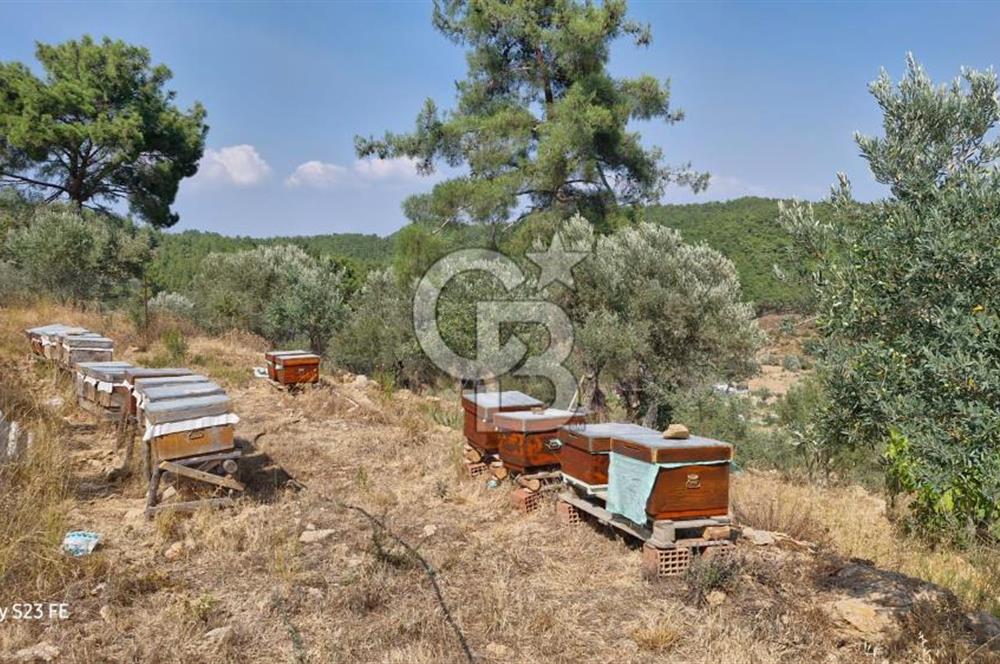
(324,175)
(316,174)
(238,165)
(728,186)
(401,168)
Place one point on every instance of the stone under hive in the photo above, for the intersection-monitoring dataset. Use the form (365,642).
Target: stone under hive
(480,409)
(292,367)
(100,387)
(529,438)
(86,347)
(586,450)
(650,477)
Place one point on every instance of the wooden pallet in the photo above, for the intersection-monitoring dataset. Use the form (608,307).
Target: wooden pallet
(668,546)
(195,468)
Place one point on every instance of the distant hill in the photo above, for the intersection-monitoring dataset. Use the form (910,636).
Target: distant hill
(744,229)
(180,254)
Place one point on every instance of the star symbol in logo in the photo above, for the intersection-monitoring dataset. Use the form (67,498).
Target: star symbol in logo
(556,263)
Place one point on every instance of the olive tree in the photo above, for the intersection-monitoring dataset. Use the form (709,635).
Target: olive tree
(909,302)
(279,292)
(655,316)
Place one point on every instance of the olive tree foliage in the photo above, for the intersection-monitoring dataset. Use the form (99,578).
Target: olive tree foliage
(909,301)
(378,336)
(279,292)
(77,256)
(655,316)
(98,128)
(540,123)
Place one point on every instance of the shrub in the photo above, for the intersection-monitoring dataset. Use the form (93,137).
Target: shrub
(908,303)
(279,292)
(176,346)
(378,337)
(792,363)
(76,256)
(172,303)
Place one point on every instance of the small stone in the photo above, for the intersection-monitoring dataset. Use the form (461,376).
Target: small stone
(40,652)
(758,537)
(717,533)
(311,536)
(860,616)
(361,381)
(169,493)
(310,526)
(715,598)
(430,530)
(677,432)
(174,551)
(105,613)
(220,636)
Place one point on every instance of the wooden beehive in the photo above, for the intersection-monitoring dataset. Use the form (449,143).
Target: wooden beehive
(292,367)
(86,347)
(187,427)
(135,374)
(38,336)
(51,339)
(479,409)
(102,385)
(692,479)
(529,438)
(149,390)
(586,448)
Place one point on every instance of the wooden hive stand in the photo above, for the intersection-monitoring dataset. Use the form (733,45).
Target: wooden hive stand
(668,546)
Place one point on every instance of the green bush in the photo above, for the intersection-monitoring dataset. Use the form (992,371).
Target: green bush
(77,256)
(280,293)
(909,308)
(378,338)
(176,346)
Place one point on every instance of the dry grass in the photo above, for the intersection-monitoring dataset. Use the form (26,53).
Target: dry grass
(518,588)
(854,524)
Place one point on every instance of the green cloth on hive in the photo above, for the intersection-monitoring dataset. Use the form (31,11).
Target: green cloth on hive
(630,481)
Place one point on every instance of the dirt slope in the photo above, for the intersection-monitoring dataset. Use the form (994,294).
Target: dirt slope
(239,585)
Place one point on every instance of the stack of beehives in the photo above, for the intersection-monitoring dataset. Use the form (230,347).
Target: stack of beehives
(100,387)
(188,430)
(46,341)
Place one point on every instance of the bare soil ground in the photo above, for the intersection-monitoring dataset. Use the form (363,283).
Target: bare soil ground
(379,469)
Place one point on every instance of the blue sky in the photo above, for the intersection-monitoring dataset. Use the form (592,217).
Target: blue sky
(773,93)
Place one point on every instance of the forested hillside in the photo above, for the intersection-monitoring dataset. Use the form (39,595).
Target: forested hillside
(745,230)
(180,255)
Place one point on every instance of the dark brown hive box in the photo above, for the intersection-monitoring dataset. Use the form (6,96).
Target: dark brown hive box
(528,438)
(291,367)
(585,449)
(480,407)
(685,490)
